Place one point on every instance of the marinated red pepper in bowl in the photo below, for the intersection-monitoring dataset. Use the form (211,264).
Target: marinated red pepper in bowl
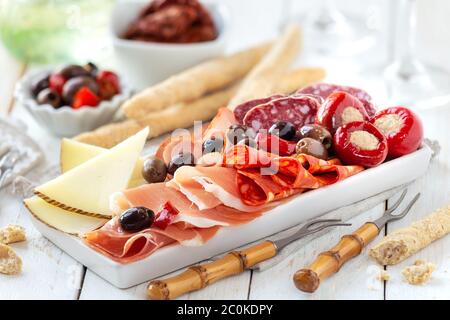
(360,143)
(402,128)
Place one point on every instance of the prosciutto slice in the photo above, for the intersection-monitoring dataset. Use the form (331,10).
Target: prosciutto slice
(126,247)
(209,187)
(153,196)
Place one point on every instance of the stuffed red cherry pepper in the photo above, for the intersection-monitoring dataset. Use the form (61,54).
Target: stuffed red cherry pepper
(340,108)
(402,129)
(360,143)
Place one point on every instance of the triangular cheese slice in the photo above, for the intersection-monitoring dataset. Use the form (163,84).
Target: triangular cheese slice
(86,189)
(60,219)
(73,153)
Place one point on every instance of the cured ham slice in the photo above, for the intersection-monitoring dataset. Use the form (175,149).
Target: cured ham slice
(126,247)
(154,196)
(209,187)
(220,124)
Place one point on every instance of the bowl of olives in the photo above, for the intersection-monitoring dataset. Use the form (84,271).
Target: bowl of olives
(72,99)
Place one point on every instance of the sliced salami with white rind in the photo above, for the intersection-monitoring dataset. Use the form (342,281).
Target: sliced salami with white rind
(323,90)
(298,110)
(243,108)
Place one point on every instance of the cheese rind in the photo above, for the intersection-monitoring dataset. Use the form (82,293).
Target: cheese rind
(86,189)
(62,220)
(73,153)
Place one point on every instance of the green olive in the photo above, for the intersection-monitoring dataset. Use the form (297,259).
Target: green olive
(154,170)
(312,147)
(318,133)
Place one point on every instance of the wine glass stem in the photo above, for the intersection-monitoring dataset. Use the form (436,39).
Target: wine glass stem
(405,56)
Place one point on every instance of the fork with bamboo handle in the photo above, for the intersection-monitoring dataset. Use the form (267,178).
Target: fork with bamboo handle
(200,276)
(329,262)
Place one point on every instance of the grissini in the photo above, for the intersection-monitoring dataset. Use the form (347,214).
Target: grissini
(404,242)
(195,82)
(262,80)
(183,115)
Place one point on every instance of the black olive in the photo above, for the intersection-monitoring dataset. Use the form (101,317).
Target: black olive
(91,68)
(72,86)
(212,145)
(285,130)
(312,147)
(154,170)
(137,219)
(72,71)
(318,133)
(248,142)
(180,160)
(40,84)
(49,96)
(238,132)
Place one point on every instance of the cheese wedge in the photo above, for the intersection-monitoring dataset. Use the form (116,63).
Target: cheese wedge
(62,220)
(86,189)
(73,153)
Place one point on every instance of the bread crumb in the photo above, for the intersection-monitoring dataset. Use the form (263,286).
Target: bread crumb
(419,273)
(12,234)
(10,262)
(384,276)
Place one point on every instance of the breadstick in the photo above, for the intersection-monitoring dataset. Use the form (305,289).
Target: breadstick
(183,115)
(194,82)
(111,134)
(262,80)
(404,242)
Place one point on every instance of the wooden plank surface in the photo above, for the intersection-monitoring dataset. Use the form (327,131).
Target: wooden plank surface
(435,193)
(52,274)
(356,279)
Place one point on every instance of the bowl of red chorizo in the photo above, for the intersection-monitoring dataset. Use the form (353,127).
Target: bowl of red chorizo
(157,39)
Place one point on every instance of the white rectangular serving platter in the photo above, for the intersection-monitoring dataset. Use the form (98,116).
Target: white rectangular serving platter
(300,208)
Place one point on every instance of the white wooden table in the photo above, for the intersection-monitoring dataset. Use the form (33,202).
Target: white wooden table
(49,273)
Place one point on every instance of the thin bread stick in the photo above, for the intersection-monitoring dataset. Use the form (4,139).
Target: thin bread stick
(195,82)
(183,115)
(404,242)
(262,80)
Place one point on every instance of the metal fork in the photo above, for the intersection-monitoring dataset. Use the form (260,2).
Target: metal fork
(199,276)
(351,245)
(7,164)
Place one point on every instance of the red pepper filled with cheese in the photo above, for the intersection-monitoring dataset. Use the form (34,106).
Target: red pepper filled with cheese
(360,143)
(402,129)
(340,108)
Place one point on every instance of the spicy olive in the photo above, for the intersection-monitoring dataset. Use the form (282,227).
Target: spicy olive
(312,147)
(285,130)
(40,84)
(72,86)
(248,142)
(72,71)
(316,132)
(180,160)
(154,170)
(214,144)
(137,219)
(238,132)
(49,96)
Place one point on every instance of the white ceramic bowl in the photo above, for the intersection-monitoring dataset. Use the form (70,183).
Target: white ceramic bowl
(65,121)
(146,63)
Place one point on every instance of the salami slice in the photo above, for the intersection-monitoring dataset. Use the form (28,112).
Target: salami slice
(243,108)
(298,110)
(323,90)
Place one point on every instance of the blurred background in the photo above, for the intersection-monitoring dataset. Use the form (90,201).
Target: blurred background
(376,44)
